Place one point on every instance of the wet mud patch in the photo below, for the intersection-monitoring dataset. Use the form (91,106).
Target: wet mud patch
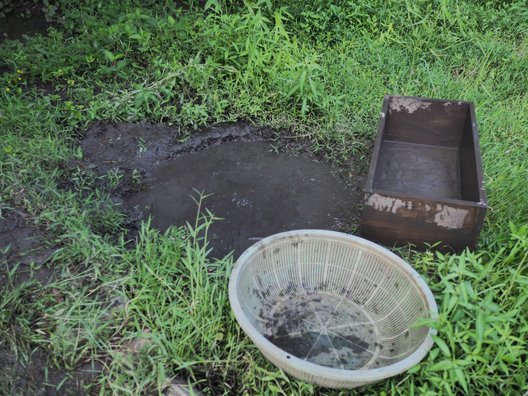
(26,19)
(144,146)
(23,245)
(258,184)
(36,374)
(321,328)
(25,269)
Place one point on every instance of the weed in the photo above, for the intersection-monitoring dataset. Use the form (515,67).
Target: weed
(315,69)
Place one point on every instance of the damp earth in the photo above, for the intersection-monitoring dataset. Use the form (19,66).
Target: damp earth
(25,263)
(321,328)
(26,20)
(256,184)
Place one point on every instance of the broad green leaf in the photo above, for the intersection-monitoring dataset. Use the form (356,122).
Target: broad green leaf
(480,326)
(442,345)
(442,365)
(425,322)
(108,55)
(304,106)
(453,300)
(293,90)
(302,80)
(459,374)
(213,4)
(312,87)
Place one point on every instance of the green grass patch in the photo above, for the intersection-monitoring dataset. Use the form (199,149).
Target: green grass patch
(317,70)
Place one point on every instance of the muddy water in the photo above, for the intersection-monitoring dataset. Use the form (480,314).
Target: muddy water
(321,328)
(14,27)
(256,191)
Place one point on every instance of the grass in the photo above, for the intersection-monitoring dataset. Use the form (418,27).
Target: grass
(318,70)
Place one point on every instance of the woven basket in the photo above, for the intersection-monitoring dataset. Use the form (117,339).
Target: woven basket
(330,308)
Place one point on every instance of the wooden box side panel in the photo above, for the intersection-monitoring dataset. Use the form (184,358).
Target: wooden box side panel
(425,121)
(393,220)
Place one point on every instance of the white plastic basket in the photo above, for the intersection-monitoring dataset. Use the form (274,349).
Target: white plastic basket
(330,308)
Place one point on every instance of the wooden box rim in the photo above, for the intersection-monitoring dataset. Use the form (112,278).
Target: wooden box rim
(481,203)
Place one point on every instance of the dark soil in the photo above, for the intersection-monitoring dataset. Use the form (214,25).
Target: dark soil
(258,184)
(315,326)
(26,19)
(23,244)
(25,247)
(37,375)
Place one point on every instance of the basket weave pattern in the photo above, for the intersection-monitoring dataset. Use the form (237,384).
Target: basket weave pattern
(332,301)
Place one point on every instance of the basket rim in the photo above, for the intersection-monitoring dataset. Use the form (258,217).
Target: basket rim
(317,371)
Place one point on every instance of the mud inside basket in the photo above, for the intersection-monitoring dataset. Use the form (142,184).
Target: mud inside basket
(322,328)
(331,302)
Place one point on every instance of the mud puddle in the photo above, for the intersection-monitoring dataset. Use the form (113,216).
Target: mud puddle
(320,328)
(22,244)
(25,256)
(15,26)
(256,190)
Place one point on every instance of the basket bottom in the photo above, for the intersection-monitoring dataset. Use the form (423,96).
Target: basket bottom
(322,328)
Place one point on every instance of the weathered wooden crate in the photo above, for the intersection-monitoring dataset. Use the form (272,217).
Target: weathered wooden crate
(425,178)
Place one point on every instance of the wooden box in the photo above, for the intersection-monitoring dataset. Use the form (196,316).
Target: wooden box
(425,179)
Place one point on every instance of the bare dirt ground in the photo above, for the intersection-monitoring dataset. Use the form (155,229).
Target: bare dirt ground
(257,184)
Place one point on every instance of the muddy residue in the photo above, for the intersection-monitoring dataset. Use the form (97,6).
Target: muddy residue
(36,374)
(127,146)
(26,19)
(145,145)
(25,255)
(23,245)
(320,328)
(254,182)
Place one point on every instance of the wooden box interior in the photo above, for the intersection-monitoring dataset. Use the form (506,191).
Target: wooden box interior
(428,150)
